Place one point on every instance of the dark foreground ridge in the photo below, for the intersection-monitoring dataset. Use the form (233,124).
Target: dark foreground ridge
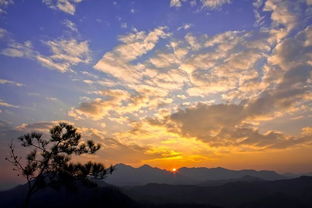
(287,193)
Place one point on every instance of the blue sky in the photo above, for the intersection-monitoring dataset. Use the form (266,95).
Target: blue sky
(171,82)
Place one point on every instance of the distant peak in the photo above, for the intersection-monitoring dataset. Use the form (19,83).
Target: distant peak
(146,166)
(123,165)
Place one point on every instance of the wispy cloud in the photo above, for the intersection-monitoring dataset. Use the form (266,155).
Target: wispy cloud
(5,104)
(211,4)
(4,4)
(134,45)
(9,82)
(67,6)
(16,49)
(263,74)
(3,32)
(65,53)
(70,25)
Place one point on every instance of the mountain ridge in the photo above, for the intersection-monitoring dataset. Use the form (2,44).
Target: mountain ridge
(126,175)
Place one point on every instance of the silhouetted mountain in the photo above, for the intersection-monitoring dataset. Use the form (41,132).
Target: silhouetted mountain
(125,175)
(251,193)
(222,173)
(295,193)
(246,178)
(82,196)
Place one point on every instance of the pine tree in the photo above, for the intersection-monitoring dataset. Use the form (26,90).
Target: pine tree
(48,163)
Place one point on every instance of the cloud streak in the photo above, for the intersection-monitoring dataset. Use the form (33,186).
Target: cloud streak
(211,4)
(65,53)
(67,6)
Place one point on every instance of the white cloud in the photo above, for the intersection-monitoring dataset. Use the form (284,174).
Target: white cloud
(184,27)
(191,40)
(281,13)
(124,25)
(5,104)
(264,77)
(70,25)
(4,81)
(294,51)
(98,108)
(211,4)
(175,3)
(53,99)
(16,49)
(65,54)
(134,45)
(3,32)
(67,6)
(4,4)
(225,125)
(214,3)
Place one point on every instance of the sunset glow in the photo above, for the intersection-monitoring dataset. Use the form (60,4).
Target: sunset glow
(189,83)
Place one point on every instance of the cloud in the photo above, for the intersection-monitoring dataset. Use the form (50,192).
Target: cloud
(226,125)
(134,45)
(237,125)
(161,142)
(228,61)
(293,51)
(3,32)
(67,6)
(16,49)
(118,104)
(211,4)
(282,12)
(70,25)
(231,83)
(53,99)
(185,27)
(4,4)
(286,15)
(175,3)
(5,104)
(99,108)
(113,151)
(65,54)
(42,127)
(290,91)
(9,82)
(214,3)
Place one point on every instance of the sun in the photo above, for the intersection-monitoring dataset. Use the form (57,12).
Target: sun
(173,170)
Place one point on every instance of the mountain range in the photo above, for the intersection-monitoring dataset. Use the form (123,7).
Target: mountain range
(125,175)
(286,193)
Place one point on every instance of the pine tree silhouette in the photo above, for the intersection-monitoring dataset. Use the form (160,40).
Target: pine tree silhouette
(48,164)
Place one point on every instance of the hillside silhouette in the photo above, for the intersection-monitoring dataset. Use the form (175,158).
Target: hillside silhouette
(241,194)
(251,193)
(125,175)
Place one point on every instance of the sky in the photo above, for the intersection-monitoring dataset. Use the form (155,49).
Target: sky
(169,83)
